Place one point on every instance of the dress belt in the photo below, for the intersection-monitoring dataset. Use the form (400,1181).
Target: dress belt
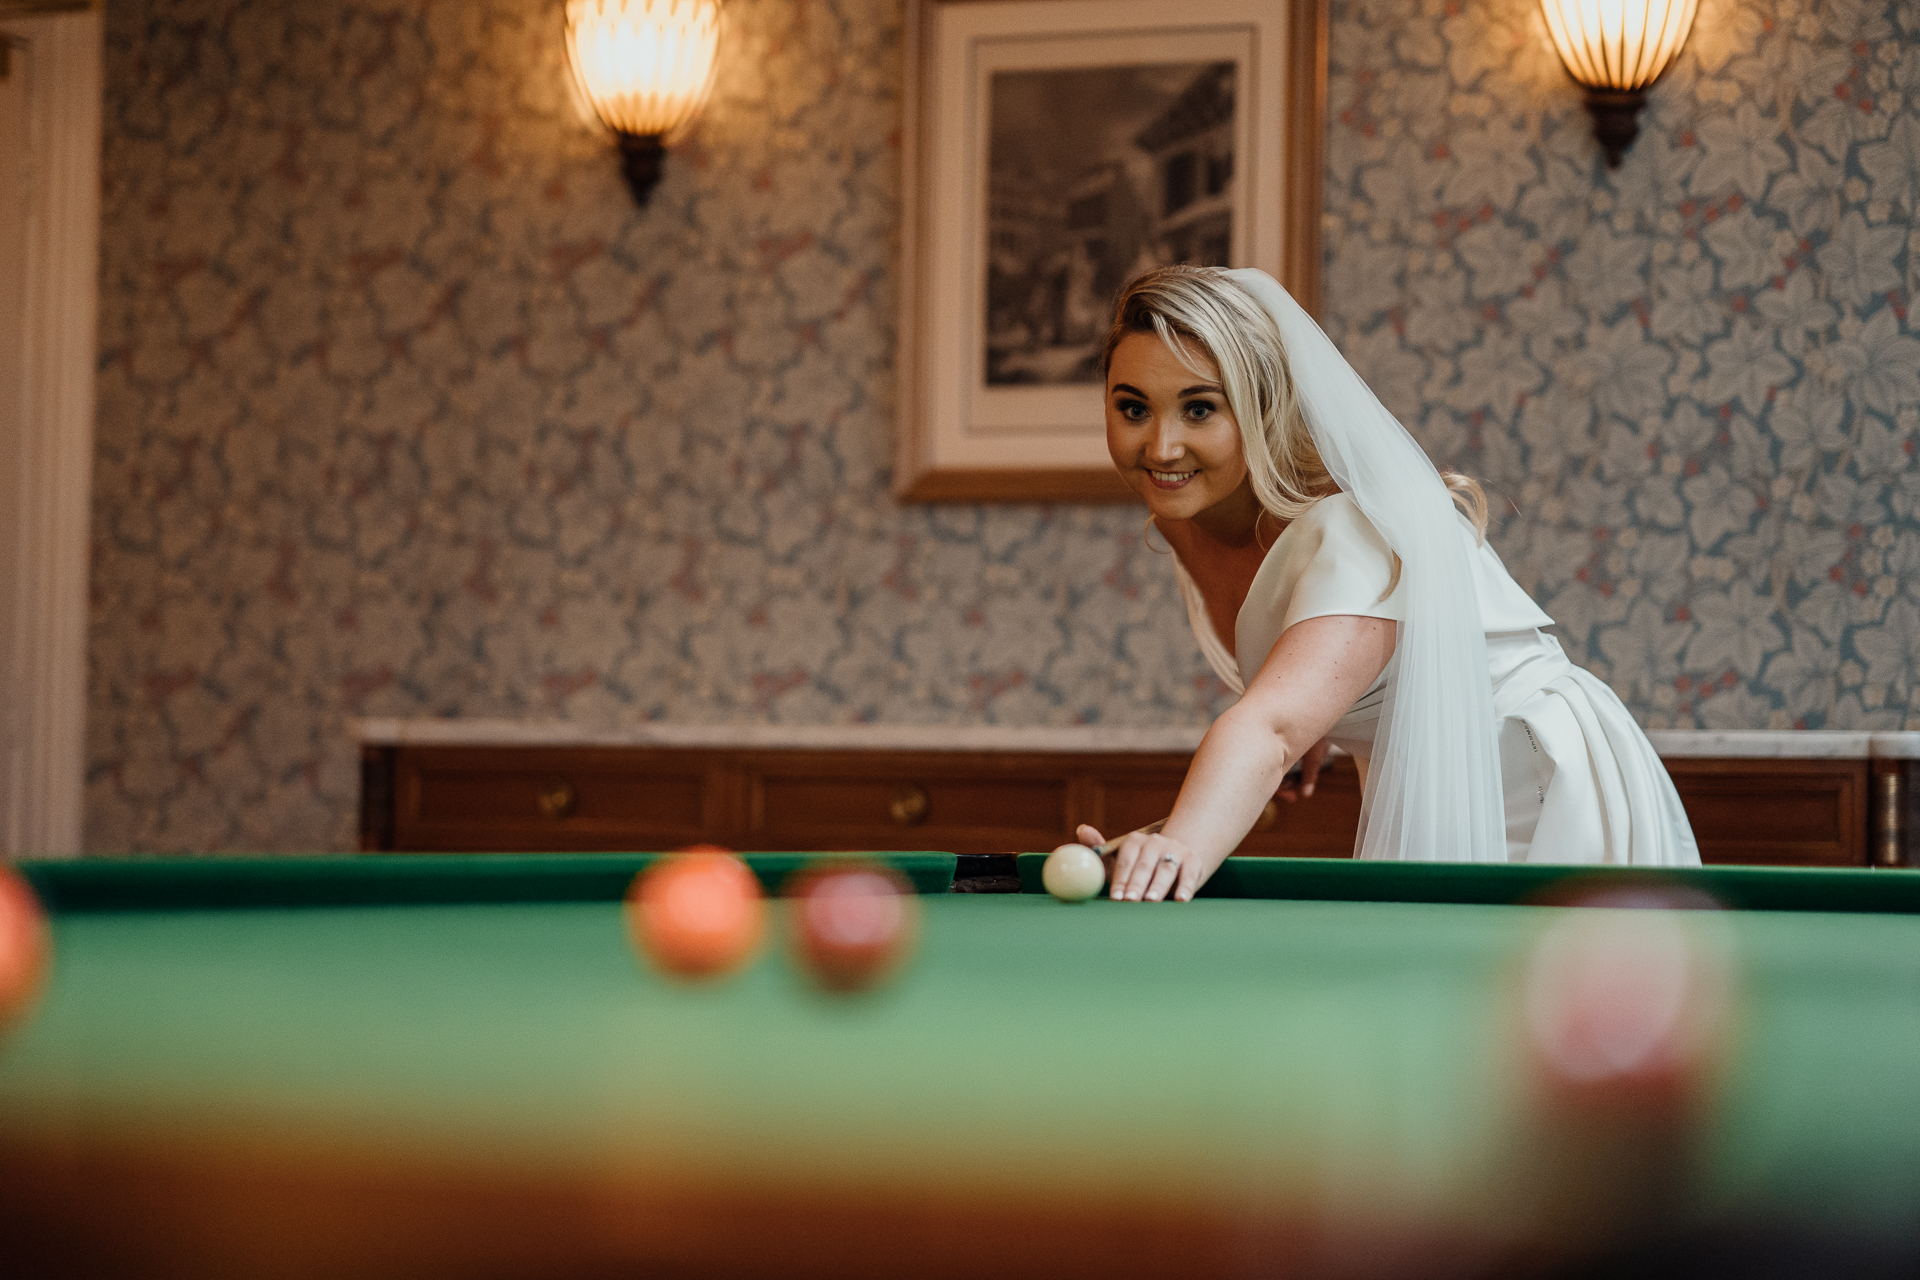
(1533,675)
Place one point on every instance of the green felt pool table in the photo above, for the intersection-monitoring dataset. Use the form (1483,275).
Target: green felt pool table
(455,1066)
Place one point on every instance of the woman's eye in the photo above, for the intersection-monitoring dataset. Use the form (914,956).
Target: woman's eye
(1199,410)
(1133,410)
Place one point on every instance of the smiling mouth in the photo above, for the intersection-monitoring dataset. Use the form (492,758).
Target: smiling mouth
(1170,479)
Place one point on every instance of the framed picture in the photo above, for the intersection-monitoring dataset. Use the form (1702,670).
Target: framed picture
(1055,148)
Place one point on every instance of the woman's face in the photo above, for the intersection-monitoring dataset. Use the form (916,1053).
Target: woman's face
(1169,430)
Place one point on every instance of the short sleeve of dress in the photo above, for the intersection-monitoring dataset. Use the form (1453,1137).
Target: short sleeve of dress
(1338,564)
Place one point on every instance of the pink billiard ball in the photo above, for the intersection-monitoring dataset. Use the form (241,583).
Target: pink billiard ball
(25,945)
(853,924)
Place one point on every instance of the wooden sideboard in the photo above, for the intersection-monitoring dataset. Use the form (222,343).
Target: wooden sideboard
(1805,812)
(531,798)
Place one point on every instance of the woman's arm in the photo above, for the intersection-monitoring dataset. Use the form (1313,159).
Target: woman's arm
(1317,671)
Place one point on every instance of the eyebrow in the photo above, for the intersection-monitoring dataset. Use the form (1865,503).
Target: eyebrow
(1205,388)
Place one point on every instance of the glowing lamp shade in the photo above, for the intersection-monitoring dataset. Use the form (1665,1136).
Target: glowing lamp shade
(644,66)
(1615,50)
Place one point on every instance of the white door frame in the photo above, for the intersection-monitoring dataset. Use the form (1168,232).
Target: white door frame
(46,434)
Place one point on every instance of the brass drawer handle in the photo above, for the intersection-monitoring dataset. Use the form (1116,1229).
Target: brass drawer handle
(1269,815)
(909,805)
(557,798)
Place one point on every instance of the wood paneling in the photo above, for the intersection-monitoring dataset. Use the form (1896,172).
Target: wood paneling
(454,798)
(1321,826)
(1784,812)
(473,798)
(1780,812)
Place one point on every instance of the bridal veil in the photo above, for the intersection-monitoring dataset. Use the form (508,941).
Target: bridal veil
(1433,790)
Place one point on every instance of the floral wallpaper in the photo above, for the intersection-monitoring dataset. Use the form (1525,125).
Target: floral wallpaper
(405,409)
(1691,383)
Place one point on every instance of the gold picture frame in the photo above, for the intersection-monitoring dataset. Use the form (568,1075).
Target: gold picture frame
(1051,148)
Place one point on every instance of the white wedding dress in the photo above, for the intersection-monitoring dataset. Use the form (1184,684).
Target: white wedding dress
(1580,781)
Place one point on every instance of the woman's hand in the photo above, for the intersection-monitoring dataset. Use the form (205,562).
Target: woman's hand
(1146,868)
(1292,790)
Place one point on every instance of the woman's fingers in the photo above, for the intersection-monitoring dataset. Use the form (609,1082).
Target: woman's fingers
(1090,836)
(1303,778)
(1133,868)
(1189,881)
(1119,866)
(1151,868)
(1310,766)
(1148,868)
(1126,862)
(1166,870)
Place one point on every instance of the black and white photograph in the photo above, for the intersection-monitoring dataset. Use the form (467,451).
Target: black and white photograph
(1056,150)
(1095,174)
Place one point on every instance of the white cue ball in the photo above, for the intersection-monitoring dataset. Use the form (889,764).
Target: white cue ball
(1073,873)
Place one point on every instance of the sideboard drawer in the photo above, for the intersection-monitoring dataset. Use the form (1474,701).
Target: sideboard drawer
(565,792)
(965,802)
(449,799)
(1776,812)
(816,799)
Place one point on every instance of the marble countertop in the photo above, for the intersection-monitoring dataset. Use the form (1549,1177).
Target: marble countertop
(1780,744)
(1787,744)
(816,737)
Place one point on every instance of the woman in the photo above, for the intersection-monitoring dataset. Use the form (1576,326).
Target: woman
(1346,590)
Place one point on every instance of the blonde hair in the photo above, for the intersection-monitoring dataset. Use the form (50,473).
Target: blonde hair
(1202,306)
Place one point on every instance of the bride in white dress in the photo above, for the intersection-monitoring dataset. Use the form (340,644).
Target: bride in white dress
(1346,591)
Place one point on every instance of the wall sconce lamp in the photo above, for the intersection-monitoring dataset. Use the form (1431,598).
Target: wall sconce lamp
(644,68)
(1615,50)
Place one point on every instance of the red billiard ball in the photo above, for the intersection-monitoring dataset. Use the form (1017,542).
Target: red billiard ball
(852,924)
(25,942)
(1629,1004)
(696,915)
